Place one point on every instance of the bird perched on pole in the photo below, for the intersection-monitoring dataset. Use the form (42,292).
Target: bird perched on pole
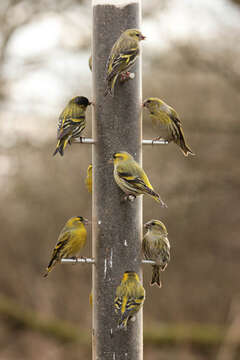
(167,119)
(131,178)
(122,56)
(71,122)
(156,247)
(71,240)
(130,296)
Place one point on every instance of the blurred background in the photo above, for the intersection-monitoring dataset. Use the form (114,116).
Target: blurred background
(191,59)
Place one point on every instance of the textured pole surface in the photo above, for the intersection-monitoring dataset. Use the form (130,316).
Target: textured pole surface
(117,227)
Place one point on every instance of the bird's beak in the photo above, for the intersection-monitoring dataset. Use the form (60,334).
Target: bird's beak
(143,104)
(146,225)
(142,37)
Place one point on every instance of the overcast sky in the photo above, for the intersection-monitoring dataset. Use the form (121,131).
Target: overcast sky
(46,88)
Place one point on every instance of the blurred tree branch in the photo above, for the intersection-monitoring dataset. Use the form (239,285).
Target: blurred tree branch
(20,318)
(199,335)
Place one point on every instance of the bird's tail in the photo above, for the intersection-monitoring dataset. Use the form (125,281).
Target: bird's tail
(156,276)
(110,86)
(50,266)
(46,273)
(149,190)
(60,147)
(48,269)
(184,147)
(158,199)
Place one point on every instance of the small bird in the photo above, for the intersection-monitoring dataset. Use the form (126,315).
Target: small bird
(88,180)
(90,62)
(122,56)
(71,122)
(156,247)
(130,296)
(131,178)
(71,240)
(169,122)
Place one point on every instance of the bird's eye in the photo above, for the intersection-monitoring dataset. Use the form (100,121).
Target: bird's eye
(137,35)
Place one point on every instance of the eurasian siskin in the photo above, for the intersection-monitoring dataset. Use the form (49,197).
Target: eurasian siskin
(71,122)
(122,56)
(131,178)
(88,180)
(156,247)
(169,122)
(71,240)
(130,296)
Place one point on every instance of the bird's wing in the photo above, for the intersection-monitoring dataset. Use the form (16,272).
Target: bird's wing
(135,181)
(177,125)
(58,252)
(63,239)
(117,303)
(121,61)
(126,304)
(174,116)
(168,117)
(132,303)
(72,116)
(65,130)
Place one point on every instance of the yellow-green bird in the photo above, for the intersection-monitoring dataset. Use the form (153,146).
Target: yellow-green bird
(156,247)
(130,296)
(70,242)
(88,180)
(131,178)
(167,119)
(71,122)
(122,56)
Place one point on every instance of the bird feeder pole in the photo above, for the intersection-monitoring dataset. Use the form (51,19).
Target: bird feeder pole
(117,225)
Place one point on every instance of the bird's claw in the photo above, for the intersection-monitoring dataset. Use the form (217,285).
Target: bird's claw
(131,198)
(126,76)
(74,258)
(156,139)
(83,258)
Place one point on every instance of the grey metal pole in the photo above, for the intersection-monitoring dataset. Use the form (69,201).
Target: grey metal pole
(117,227)
(144,142)
(91,261)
